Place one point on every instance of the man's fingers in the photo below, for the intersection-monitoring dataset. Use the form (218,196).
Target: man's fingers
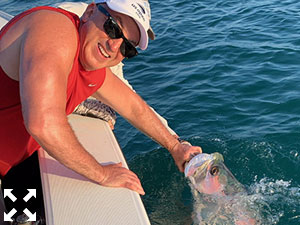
(194,153)
(110,123)
(199,149)
(118,176)
(195,150)
(181,167)
(132,182)
(135,186)
(184,154)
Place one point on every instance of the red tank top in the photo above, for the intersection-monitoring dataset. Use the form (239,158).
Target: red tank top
(16,144)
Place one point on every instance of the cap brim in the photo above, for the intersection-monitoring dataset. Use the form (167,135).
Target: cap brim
(151,34)
(143,43)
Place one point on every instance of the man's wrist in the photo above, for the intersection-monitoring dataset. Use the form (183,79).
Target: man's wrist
(101,175)
(174,145)
(181,141)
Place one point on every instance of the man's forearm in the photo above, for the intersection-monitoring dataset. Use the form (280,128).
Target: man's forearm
(61,143)
(145,119)
(165,123)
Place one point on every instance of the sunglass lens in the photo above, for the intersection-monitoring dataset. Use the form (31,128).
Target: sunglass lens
(112,29)
(130,50)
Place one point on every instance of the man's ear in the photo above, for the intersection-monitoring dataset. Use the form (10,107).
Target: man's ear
(88,12)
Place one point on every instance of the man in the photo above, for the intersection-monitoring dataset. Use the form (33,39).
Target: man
(92,107)
(51,61)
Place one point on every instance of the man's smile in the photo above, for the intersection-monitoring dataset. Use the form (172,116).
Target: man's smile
(102,51)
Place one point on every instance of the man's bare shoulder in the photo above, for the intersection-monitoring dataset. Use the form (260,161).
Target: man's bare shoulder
(42,28)
(44,15)
(51,34)
(44,37)
(46,22)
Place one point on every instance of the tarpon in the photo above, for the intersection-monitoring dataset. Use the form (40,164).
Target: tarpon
(219,197)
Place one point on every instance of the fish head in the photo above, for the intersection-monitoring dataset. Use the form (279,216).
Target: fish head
(209,175)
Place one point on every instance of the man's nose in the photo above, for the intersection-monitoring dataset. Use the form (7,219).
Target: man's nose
(115,44)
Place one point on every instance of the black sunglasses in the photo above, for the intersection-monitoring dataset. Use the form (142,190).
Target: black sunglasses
(113,30)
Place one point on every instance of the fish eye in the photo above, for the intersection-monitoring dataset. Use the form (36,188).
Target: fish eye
(214,170)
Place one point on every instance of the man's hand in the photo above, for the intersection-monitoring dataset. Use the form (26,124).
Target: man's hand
(183,152)
(111,124)
(117,176)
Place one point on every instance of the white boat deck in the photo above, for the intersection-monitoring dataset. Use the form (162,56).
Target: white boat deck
(72,199)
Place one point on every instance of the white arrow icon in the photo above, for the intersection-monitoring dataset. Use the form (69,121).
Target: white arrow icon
(7,217)
(31,217)
(7,193)
(31,193)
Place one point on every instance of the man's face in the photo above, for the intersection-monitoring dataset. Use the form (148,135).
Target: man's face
(97,49)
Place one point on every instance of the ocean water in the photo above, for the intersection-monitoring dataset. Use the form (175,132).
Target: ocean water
(226,76)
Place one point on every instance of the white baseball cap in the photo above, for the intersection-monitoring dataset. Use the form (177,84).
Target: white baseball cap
(139,10)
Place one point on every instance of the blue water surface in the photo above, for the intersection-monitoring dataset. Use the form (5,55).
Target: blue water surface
(226,76)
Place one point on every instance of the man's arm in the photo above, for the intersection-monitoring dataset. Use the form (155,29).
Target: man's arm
(46,56)
(118,71)
(131,106)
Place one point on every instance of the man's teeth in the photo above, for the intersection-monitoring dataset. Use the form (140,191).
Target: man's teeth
(103,51)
